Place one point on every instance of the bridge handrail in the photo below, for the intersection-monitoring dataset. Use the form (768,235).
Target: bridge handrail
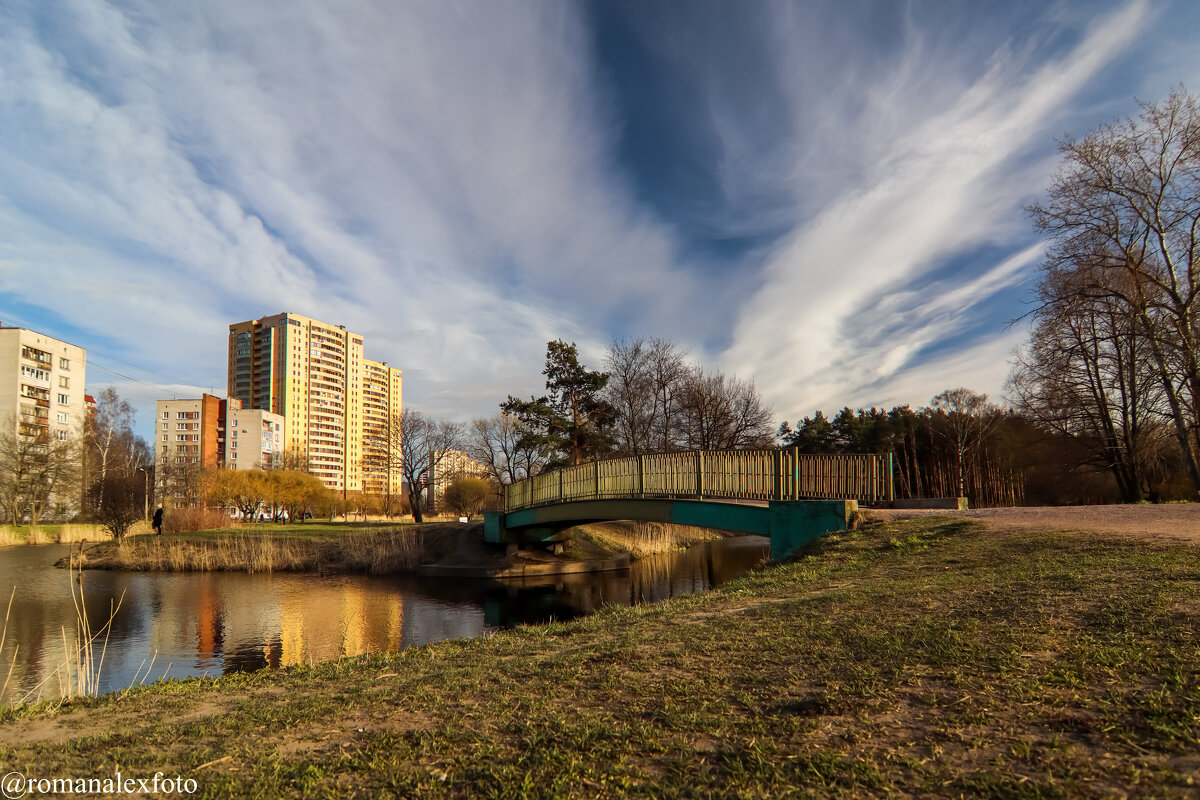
(720,474)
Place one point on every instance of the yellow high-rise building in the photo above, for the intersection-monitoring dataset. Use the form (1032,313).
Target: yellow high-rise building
(312,374)
(383,391)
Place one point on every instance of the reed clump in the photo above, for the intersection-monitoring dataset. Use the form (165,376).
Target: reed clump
(66,533)
(373,551)
(182,520)
(642,539)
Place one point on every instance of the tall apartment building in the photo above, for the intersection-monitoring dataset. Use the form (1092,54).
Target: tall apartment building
(312,374)
(41,384)
(383,391)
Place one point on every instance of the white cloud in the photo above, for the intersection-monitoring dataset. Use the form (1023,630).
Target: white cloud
(438,178)
(949,180)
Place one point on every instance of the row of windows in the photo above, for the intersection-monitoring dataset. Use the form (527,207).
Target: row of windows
(42,357)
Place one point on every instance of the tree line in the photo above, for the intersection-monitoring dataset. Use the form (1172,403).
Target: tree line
(1113,365)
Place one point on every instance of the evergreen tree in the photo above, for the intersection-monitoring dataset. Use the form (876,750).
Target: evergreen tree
(571,423)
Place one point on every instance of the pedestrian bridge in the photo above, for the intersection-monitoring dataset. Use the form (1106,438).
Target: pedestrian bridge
(790,497)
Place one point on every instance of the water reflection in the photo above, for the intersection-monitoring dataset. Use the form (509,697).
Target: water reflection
(192,624)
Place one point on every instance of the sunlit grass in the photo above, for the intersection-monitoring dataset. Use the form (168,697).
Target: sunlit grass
(921,658)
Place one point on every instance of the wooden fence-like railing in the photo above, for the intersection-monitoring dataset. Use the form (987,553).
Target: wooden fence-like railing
(719,474)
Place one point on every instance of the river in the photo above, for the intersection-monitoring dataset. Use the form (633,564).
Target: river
(193,624)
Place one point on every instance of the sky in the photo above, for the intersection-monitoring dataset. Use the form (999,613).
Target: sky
(824,197)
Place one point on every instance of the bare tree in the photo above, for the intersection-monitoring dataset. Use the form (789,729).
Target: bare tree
(499,443)
(181,481)
(35,470)
(383,461)
(108,435)
(1123,214)
(645,379)
(716,412)
(423,444)
(1088,375)
(968,416)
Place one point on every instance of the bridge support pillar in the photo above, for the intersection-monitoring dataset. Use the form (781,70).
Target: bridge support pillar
(493,527)
(795,523)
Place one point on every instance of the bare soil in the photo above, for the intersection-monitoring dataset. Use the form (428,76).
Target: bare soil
(1169,522)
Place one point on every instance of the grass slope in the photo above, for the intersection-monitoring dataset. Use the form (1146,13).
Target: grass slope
(922,658)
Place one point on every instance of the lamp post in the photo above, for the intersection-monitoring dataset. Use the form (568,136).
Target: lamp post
(145,494)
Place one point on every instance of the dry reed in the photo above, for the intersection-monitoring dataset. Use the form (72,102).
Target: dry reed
(374,551)
(182,520)
(642,539)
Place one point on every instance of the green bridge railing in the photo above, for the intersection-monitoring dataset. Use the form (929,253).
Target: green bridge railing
(716,474)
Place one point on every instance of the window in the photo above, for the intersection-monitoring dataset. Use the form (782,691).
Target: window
(64,382)
(166,415)
(62,435)
(62,418)
(64,363)
(64,400)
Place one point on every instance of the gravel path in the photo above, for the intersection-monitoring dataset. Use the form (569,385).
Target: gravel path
(1173,521)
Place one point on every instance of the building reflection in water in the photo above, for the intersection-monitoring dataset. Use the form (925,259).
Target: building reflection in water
(195,624)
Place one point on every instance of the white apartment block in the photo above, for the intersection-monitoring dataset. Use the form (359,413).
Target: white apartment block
(41,384)
(255,438)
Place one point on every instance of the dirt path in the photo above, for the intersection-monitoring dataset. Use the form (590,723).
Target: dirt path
(1169,522)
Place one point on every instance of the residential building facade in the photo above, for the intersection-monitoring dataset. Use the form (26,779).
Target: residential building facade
(42,399)
(312,374)
(383,392)
(41,384)
(255,438)
(444,470)
(189,438)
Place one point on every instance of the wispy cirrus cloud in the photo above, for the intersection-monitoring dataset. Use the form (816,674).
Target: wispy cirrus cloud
(849,303)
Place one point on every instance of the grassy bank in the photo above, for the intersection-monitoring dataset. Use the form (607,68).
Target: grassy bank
(919,658)
(66,533)
(366,547)
(299,548)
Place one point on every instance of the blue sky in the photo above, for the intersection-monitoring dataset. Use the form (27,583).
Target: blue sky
(824,197)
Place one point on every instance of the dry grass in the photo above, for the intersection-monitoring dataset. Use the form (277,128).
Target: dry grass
(642,539)
(182,520)
(374,551)
(71,533)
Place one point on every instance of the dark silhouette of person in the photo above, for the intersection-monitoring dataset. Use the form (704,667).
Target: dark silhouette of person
(158,515)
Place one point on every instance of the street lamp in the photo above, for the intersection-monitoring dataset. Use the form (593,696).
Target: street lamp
(145,494)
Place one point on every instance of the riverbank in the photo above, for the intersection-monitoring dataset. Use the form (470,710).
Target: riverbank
(447,548)
(924,657)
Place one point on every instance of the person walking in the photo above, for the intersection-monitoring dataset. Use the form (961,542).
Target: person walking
(157,523)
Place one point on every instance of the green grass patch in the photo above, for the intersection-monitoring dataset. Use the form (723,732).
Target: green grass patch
(919,658)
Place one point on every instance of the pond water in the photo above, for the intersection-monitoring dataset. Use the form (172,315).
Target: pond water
(194,624)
